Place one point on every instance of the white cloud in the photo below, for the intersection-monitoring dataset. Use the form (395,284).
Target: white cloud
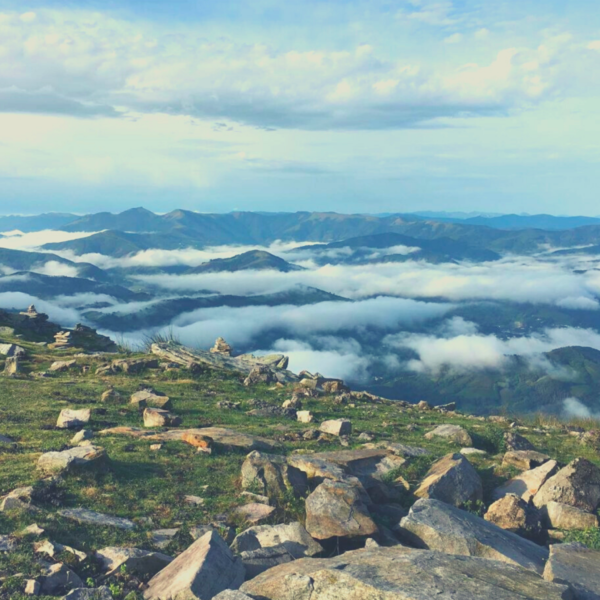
(55,269)
(17,240)
(19,301)
(595,45)
(482,34)
(574,408)
(455,38)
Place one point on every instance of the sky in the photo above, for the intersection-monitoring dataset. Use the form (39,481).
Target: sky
(342,105)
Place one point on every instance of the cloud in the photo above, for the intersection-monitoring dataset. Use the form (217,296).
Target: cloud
(472,352)
(455,38)
(19,301)
(54,268)
(90,64)
(574,408)
(17,240)
(595,45)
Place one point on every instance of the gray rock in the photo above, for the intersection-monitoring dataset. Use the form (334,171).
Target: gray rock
(294,537)
(452,433)
(400,573)
(255,513)
(59,577)
(82,436)
(101,593)
(563,516)
(73,419)
(89,517)
(514,514)
(32,587)
(272,475)
(7,543)
(577,484)
(81,457)
(524,460)
(205,569)
(53,549)
(336,427)
(137,561)
(527,484)
(60,366)
(157,417)
(232,595)
(145,398)
(577,566)
(12,366)
(438,526)
(336,509)
(12,350)
(452,479)
(258,561)
(515,441)
(161,538)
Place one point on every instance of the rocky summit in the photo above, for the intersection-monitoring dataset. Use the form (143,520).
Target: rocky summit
(185,474)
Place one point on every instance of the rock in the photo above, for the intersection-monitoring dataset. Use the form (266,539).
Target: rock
(336,509)
(53,549)
(452,433)
(577,566)
(563,516)
(61,366)
(101,593)
(221,347)
(256,498)
(438,526)
(18,499)
(133,365)
(260,374)
(295,403)
(293,537)
(577,484)
(255,513)
(110,395)
(197,440)
(81,457)
(34,530)
(524,460)
(145,398)
(12,366)
(73,419)
(514,441)
(161,538)
(194,500)
(138,562)
(452,479)
(12,350)
(337,427)
(59,577)
(305,416)
(32,587)
(206,568)
(232,595)
(514,514)
(7,543)
(472,452)
(81,436)
(89,517)
(272,475)
(157,417)
(527,483)
(400,573)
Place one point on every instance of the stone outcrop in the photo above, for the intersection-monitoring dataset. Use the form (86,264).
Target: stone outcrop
(401,574)
(577,566)
(452,433)
(577,484)
(438,526)
(336,509)
(80,457)
(272,475)
(452,479)
(205,569)
(527,484)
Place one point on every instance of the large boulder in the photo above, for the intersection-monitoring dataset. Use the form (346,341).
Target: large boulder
(514,514)
(527,484)
(292,536)
(452,479)
(438,526)
(336,427)
(58,577)
(577,566)
(148,397)
(336,509)
(400,573)
(206,568)
(136,560)
(60,366)
(73,419)
(562,516)
(80,457)
(272,475)
(577,484)
(452,433)
(524,460)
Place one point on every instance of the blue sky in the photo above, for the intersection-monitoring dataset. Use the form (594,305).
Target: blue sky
(346,105)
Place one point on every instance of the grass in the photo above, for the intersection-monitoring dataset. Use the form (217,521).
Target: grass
(149,487)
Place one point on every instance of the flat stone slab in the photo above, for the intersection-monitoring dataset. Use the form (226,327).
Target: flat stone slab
(89,517)
(80,457)
(226,438)
(438,526)
(399,573)
(577,566)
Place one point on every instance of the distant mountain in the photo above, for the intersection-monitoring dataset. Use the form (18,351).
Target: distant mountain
(46,287)
(441,250)
(519,388)
(254,260)
(162,312)
(134,219)
(19,260)
(28,224)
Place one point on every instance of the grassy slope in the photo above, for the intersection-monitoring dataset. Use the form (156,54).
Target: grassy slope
(142,484)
